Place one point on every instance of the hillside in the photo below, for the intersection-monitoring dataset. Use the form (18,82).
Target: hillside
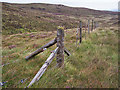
(27,27)
(21,18)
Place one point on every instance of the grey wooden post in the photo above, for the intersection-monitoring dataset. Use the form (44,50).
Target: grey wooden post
(77,36)
(80,32)
(88,26)
(60,44)
(92,25)
(51,43)
(96,24)
(85,30)
(43,68)
(0,42)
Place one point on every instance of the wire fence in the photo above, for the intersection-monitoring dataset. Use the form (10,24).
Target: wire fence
(21,81)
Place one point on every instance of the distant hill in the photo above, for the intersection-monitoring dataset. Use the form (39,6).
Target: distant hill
(58,8)
(21,18)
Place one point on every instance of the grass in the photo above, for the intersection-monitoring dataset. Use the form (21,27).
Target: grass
(92,64)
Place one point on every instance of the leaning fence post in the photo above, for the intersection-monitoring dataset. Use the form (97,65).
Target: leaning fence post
(92,26)
(43,68)
(60,44)
(80,32)
(88,26)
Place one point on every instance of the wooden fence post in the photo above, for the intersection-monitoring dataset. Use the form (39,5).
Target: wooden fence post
(80,32)
(60,44)
(96,25)
(92,25)
(85,30)
(77,36)
(88,26)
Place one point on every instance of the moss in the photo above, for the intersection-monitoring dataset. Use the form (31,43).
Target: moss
(60,27)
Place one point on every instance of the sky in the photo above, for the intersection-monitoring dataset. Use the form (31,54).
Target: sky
(93,4)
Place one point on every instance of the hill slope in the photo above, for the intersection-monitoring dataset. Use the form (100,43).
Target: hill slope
(21,18)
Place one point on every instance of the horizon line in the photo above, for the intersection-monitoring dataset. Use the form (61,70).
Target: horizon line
(113,10)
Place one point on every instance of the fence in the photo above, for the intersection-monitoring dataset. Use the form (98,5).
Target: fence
(94,25)
(60,49)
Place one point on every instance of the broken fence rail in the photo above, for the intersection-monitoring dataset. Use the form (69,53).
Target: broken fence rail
(51,43)
(42,49)
(44,67)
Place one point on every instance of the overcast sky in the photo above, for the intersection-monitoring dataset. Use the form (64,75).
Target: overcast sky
(93,4)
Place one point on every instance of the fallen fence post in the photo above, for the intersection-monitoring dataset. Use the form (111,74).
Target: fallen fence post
(44,67)
(80,32)
(60,44)
(51,43)
(88,26)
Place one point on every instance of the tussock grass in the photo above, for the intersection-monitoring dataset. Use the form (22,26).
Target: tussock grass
(92,64)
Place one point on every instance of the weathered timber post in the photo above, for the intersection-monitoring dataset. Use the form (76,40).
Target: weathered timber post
(85,30)
(77,36)
(80,32)
(96,25)
(88,26)
(92,25)
(51,43)
(60,44)
(44,67)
